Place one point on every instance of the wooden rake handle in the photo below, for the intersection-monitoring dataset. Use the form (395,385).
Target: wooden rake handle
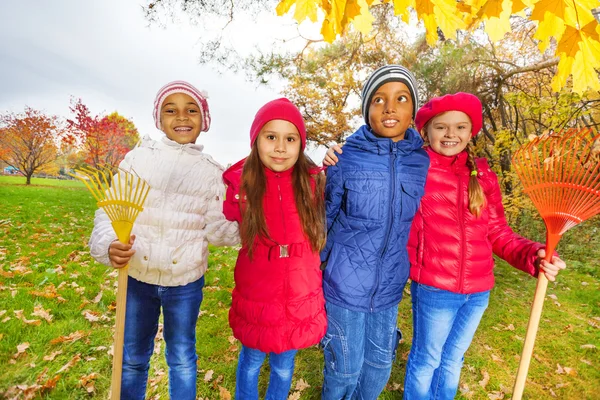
(534,319)
(117,367)
(532,328)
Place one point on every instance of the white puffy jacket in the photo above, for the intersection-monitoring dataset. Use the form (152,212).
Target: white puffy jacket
(182,214)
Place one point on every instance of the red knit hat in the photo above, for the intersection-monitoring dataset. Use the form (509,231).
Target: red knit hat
(464,102)
(278,109)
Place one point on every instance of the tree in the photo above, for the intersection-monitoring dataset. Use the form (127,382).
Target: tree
(570,23)
(104,140)
(28,141)
(565,30)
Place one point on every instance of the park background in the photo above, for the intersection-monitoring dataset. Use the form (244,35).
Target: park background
(78,80)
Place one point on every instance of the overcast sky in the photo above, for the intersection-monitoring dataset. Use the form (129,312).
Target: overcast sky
(104,52)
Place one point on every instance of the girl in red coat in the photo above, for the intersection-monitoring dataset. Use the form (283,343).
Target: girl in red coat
(276,194)
(458,227)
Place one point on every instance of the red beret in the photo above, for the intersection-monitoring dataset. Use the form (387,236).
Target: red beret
(464,102)
(278,109)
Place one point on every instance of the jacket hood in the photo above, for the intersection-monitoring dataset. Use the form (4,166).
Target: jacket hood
(364,139)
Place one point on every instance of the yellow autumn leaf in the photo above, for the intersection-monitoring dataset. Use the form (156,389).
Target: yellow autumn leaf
(518,6)
(327,31)
(447,17)
(496,14)
(586,62)
(425,13)
(305,9)
(284,6)
(551,26)
(569,42)
(336,15)
(563,72)
(401,8)
(579,12)
(363,22)
(543,7)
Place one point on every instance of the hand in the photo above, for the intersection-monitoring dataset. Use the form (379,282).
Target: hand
(552,268)
(330,157)
(120,253)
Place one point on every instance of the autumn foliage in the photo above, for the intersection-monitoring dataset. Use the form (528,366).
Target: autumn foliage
(104,140)
(28,141)
(569,23)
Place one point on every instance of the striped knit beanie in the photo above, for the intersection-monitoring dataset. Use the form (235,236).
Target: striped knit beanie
(190,90)
(383,75)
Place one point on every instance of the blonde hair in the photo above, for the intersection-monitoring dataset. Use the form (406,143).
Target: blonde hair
(477,199)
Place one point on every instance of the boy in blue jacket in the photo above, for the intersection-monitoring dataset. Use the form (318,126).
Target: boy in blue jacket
(372,195)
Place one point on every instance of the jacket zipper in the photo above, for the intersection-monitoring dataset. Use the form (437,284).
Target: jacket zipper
(162,225)
(285,263)
(390,219)
(461,222)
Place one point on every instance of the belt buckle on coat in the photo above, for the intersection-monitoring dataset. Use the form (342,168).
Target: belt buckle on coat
(283,251)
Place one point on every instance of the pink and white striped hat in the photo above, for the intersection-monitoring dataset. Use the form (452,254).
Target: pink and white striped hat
(182,87)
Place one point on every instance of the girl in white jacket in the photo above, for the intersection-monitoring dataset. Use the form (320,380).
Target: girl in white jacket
(168,250)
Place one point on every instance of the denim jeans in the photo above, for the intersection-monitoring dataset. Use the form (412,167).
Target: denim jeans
(180,306)
(359,348)
(250,362)
(444,324)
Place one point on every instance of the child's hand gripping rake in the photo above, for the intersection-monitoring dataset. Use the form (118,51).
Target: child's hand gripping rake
(561,175)
(122,202)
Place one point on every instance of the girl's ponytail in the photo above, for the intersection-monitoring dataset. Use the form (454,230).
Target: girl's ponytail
(477,198)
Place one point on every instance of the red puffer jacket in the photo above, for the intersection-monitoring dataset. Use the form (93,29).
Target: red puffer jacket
(451,249)
(277,303)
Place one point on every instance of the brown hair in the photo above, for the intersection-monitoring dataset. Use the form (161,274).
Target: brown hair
(477,199)
(309,203)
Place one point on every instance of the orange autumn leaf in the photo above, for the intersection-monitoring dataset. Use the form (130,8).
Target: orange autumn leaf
(72,337)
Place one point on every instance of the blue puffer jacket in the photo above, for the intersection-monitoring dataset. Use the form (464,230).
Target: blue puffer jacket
(372,195)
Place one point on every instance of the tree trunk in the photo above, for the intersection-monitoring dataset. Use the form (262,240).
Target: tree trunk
(28,181)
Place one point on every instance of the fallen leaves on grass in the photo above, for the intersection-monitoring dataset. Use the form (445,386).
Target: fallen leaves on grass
(485,378)
(52,355)
(38,311)
(224,393)
(209,375)
(19,315)
(87,382)
(69,364)
(71,337)
(565,370)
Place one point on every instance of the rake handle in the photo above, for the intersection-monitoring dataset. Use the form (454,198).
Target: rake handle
(117,367)
(534,320)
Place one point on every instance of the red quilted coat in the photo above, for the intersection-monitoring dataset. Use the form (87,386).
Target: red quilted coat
(277,303)
(451,249)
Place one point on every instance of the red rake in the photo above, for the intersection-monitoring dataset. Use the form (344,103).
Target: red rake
(561,175)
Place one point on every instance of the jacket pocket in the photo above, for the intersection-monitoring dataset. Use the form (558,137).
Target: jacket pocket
(364,199)
(411,198)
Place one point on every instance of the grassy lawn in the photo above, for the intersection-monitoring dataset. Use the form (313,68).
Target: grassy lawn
(57,313)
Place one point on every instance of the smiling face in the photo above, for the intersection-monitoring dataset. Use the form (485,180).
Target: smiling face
(390,111)
(449,133)
(180,118)
(278,145)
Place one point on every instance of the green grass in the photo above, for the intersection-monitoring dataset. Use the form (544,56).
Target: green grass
(44,229)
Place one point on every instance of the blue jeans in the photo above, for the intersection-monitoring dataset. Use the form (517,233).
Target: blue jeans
(250,362)
(359,349)
(180,305)
(444,324)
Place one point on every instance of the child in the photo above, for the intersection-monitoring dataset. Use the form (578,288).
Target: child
(168,254)
(277,196)
(372,195)
(458,226)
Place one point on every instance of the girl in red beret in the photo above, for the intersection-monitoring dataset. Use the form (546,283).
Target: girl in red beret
(277,196)
(460,224)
